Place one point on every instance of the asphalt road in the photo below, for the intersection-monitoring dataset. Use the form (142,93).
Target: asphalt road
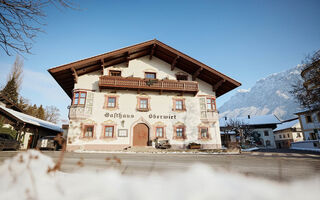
(270,165)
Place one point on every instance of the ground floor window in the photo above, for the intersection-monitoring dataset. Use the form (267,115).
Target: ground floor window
(88,131)
(179,132)
(108,131)
(159,132)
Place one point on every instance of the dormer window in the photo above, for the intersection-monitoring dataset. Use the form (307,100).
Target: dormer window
(150,75)
(114,73)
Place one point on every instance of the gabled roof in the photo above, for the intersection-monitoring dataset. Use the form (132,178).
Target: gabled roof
(286,125)
(254,120)
(19,116)
(65,74)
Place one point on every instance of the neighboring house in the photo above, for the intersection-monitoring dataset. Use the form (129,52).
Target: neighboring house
(310,124)
(228,138)
(287,132)
(131,96)
(262,125)
(29,129)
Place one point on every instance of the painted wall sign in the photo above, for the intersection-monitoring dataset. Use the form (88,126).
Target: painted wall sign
(118,115)
(154,116)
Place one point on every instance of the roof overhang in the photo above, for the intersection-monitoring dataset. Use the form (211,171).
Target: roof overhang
(66,75)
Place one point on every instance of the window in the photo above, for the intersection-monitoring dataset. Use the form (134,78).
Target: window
(79,98)
(114,73)
(179,104)
(108,131)
(318,116)
(298,135)
(266,133)
(151,75)
(111,102)
(288,135)
(204,132)
(159,132)
(88,131)
(308,119)
(211,105)
(280,136)
(284,136)
(143,104)
(179,132)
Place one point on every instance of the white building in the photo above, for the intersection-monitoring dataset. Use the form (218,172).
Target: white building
(262,125)
(310,124)
(288,132)
(133,95)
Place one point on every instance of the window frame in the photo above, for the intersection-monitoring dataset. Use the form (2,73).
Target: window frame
(184,136)
(115,71)
(156,133)
(115,102)
(113,131)
(175,105)
(266,135)
(200,136)
(85,128)
(212,103)
(148,73)
(79,98)
(139,99)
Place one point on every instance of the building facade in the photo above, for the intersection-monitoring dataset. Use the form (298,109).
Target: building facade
(286,133)
(262,126)
(130,97)
(310,124)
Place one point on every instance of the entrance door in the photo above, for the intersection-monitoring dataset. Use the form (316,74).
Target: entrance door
(140,135)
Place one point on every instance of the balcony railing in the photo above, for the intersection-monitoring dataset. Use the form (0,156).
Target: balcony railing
(116,82)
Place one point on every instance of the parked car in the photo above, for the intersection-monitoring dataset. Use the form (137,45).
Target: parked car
(48,143)
(8,142)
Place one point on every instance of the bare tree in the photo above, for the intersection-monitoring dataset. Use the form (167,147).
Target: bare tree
(307,92)
(21,21)
(52,114)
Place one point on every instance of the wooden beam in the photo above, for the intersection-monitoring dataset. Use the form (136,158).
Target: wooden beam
(196,74)
(127,58)
(75,75)
(174,62)
(102,66)
(152,51)
(217,85)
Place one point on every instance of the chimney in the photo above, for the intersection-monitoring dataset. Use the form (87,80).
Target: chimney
(248,116)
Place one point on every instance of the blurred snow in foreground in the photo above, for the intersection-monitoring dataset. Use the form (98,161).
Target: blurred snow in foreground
(25,176)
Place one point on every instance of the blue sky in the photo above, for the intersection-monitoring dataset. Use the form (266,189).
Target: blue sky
(246,40)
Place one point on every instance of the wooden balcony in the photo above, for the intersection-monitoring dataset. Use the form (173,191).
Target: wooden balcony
(133,83)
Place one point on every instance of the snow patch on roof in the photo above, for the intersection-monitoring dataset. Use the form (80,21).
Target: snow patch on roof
(285,125)
(32,120)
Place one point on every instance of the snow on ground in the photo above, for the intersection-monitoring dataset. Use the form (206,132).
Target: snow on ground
(26,176)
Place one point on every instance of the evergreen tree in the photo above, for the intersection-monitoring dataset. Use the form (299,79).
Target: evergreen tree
(11,90)
(40,112)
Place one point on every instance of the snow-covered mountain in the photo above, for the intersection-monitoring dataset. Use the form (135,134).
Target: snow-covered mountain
(269,95)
